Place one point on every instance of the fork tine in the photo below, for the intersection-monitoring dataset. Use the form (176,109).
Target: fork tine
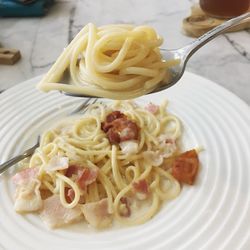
(30,151)
(88,104)
(91,102)
(83,107)
(95,100)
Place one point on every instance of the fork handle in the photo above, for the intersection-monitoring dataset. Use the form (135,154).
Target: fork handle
(14,160)
(191,48)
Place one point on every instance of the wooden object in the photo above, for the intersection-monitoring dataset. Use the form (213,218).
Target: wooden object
(199,23)
(9,56)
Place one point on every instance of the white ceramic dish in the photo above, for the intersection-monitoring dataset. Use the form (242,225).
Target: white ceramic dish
(212,214)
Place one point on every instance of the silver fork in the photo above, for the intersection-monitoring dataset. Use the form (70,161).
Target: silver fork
(183,54)
(4,166)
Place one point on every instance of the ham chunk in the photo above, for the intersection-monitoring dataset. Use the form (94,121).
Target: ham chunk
(54,214)
(28,197)
(119,128)
(185,167)
(96,213)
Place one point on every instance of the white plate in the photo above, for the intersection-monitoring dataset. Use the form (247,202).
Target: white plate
(212,214)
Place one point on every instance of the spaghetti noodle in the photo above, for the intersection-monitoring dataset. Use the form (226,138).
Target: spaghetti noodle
(113,61)
(114,162)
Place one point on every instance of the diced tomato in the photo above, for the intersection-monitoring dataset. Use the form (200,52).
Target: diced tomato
(185,167)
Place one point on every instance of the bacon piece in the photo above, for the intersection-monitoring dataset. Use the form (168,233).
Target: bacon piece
(96,213)
(141,189)
(105,126)
(45,193)
(110,118)
(118,128)
(126,211)
(87,177)
(128,130)
(69,194)
(185,167)
(54,214)
(169,141)
(122,130)
(152,108)
(114,115)
(27,193)
(57,163)
(72,170)
(25,176)
(28,197)
(129,147)
(84,176)
(141,186)
(113,136)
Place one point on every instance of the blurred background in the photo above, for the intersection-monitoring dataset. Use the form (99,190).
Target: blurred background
(41,39)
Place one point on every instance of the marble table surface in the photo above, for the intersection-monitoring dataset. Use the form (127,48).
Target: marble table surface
(226,60)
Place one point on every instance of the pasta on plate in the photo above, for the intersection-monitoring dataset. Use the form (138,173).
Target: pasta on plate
(117,162)
(114,61)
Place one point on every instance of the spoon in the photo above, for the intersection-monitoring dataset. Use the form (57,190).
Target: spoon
(183,54)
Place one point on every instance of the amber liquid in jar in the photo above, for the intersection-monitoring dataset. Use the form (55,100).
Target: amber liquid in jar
(225,8)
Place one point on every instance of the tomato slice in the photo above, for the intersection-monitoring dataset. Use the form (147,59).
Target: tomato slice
(185,167)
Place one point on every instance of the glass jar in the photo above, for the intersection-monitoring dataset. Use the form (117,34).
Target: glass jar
(225,8)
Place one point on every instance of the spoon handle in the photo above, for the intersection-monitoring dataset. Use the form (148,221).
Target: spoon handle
(191,48)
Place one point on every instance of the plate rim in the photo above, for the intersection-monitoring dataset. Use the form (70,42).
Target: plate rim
(236,100)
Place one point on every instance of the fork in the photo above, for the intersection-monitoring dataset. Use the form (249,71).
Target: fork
(183,54)
(4,166)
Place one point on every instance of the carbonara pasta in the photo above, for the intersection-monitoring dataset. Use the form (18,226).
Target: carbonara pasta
(117,162)
(114,61)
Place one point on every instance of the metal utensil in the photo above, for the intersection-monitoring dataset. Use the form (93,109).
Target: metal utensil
(4,166)
(183,54)
(16,159)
